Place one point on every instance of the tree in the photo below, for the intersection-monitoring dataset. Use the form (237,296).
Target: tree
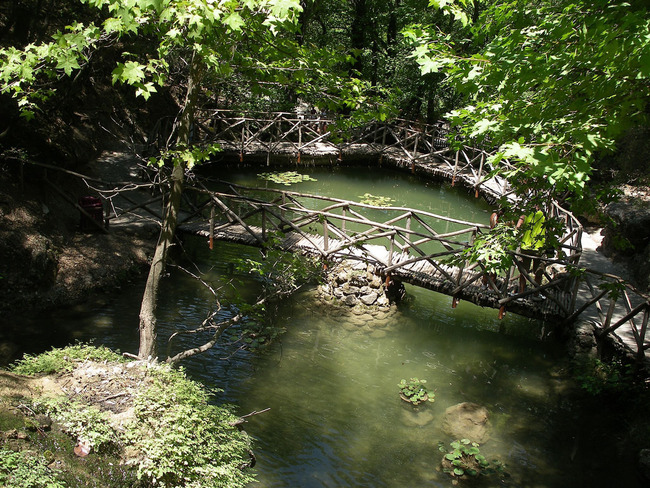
(191,45)
(552,85)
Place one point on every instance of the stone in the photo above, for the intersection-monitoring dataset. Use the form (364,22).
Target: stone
(365,290)
(467,421)
(632,221)
(369,299)
(342,276)
(348,289)
(350,300)
(382,301)
(582,341)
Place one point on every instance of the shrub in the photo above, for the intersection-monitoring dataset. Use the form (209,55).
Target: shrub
(26,470)
(182,439)
(63,360)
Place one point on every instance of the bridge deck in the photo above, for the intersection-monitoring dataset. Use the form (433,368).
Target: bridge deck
(420,273)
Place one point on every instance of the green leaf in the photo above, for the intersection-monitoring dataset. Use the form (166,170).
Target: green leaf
(234,21)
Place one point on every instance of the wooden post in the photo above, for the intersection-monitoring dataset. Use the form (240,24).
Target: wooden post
(478,178)
(325,236)
(408,233)
(299,139)
(264,223)
(212,227)
(453,177)
(390,251)
(343,213)
(610,312)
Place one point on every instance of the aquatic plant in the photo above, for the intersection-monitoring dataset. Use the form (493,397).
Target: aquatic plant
(464,458)
(414,391)
(375,200)
(286,178)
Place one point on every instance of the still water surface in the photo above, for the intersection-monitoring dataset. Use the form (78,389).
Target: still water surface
(335,418)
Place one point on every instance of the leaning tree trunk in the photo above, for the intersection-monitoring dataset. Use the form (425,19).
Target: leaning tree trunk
(149,303)
(148,307)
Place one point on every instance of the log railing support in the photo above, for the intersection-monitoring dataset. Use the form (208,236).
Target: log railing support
(211,227)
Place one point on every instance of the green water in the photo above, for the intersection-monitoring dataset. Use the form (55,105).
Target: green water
(335,418)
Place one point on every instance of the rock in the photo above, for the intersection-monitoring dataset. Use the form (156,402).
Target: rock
(342,276)
(582,341)
(350,300)
(629,237)
(365,290)
(369,299)
(467,421)
(375,282)
(416,418)
(631,222)
(644,463)
(382,301)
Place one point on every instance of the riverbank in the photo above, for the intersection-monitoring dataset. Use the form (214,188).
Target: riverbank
(83,416)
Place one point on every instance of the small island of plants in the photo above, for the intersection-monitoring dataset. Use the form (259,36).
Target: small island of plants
(414,392)
(464,460)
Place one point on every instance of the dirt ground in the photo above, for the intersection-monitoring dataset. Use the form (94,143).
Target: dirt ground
(46,259)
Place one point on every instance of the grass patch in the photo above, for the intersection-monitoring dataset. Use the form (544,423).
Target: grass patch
(63,360)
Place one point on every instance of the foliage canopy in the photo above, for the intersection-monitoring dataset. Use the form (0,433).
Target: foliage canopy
(552,84)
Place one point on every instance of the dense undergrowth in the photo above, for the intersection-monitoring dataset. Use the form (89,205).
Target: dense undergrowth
(168,434)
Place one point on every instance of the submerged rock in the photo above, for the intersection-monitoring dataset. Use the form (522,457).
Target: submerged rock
(467,421)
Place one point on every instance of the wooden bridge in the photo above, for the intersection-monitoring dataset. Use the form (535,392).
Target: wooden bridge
(302,139)
(409,245)
(406,244)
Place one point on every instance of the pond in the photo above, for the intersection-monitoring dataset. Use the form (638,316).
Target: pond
(334,415)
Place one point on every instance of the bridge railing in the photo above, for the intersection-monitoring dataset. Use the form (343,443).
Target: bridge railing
(621,310)
(397,239)
(308,133)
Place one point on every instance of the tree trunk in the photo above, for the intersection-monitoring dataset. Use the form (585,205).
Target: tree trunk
(148,307)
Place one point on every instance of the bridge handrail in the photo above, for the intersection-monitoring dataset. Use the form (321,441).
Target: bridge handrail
(287,201)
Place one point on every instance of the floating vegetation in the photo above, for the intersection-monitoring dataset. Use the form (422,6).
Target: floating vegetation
(375,200)
(286,178)
(464,459)
(414,391)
